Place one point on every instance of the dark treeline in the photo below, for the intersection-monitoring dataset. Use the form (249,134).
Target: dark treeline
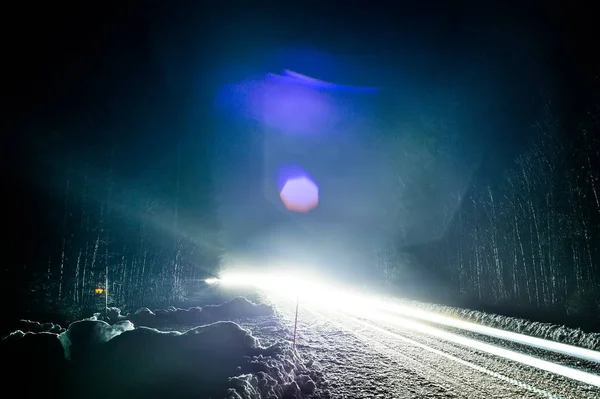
(527,241)
(530,241)
(133,203)
(143,231)
(107,165)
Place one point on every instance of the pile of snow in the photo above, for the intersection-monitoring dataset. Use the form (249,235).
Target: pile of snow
(199,363)
(236,308)
(94,359)
(37,327)
(84,336)
(25,326)
(563,334)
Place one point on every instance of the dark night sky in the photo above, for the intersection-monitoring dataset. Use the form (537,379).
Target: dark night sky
(123,74)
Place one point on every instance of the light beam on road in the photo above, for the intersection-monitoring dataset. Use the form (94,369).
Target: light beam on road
(326,295)
(522,358)
(391,352)
(570,350)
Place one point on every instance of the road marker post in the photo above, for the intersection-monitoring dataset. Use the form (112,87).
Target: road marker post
(296,321)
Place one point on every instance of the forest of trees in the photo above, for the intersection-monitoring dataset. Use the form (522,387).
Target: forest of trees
(144,239)
(531,240)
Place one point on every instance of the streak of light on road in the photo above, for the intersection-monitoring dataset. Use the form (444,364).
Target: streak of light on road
(324,296)
(350,325)
(569,350)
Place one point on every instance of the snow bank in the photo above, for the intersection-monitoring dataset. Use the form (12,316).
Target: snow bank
(216,360)
(94,359)
(37,327)
(26,326)
(563,334)
(83,335)
(278,372)
(237,307)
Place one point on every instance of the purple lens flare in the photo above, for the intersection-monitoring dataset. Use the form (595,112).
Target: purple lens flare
(297,190)
(289,102)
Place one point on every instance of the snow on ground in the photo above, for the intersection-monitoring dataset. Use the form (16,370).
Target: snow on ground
(370,359)
(214,358)
(237,307)
(563,334)
(242,350)
(272,330)
(34,326)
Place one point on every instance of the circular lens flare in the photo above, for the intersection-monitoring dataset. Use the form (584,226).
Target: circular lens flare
(300,194)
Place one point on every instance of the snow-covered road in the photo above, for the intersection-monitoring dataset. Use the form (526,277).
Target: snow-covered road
(365,358)
(343,351)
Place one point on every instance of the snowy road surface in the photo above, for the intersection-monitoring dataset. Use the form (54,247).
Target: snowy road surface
(369,359)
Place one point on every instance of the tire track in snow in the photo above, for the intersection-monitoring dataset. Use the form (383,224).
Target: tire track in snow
(550,382)
(465,363)
(351,367)
(477,377)
(467,391)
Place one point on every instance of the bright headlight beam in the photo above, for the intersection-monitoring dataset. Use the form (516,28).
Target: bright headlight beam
(570,350)
(545,365)
(388,351)
(294,286)
(320,294)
